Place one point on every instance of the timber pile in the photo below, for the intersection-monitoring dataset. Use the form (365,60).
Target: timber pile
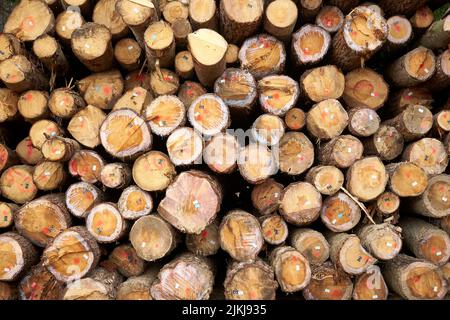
(224,149)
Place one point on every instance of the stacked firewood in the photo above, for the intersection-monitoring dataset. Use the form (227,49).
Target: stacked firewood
(202,149)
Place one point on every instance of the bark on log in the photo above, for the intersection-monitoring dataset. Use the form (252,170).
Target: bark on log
(206,243)
(19,74)
(441,79)
(436,37)
(81,197)
(40,284)
(406,7)
(382,240)
(159,44)
(310,45)
(434,201)
(387,143)
(203,14)
(427,153)
(128,54)
(86,165)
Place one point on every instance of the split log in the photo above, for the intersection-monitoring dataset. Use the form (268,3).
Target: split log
(206,243)
(153,171)
(91,44)
(66,23)
(8,105)
(116,175)
(203,14)
(64,103)
(406,7)
(19,74)
(309,46)
(232,55)
(295,119)
(381,240)
(280,18)
(291,268)
(128,54)
(367,178)
(153,238)
(187,277)
(221,153)
(135,99)
(16,184)
(181,29)
(347,253)
(208,50)
(81,197)
(406,179)
(340,213)
(274,229)
(191,210)
(126,260)
(209,115)
(267,130)
(138,288)
(265,196)
(370,285)
(387,207)
(49,175)
(59,149)
(18,255)
(40,284)
(434,201)
(278,94)
(85,126)
(184,65)
(436,37)
(27,153)
(105,13)
(441,79)
(256,163)
(184,146)
(296,153)
(364,88)
(86,165)
(328,283)
(363,122)
(427,153)
(363,33)
(7,212)
(312,244)
(425,240)
(387,143)
(326,119)
(414,279)
(330,18)
(134,203)
(422,19)
(262,55)
(72,254)
(189,91)
(239,20)
(105,223)
(159,44)
(250,281)
(49,52)
(326,179)
(342,151)
(300,203)
(400,34)
(164,81)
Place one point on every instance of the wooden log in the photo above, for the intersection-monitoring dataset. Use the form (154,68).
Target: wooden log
(436,36)
(240,235)
(221,153)
(256,163)
(102,89)
(126,261)
(441,78)
(326,179)
(267,129)
(311,244)
(231,55)
(41,130)
(30,19)
(8,291)
(300,203)
(8,105)
(387,206)
(16,184)
(128,54)
(344,5)
(291,268)
(42,219)
(82,6)
(105,223)
(19,74)
(330,18)
(137,288)
(295,119)
(153,238)
(72,254)
(18,255)
(280,18)
(116,175)
(184,146)
(322,83)
(262,55)
(86,165)
(422,19)
(137,78)
(135,99)
(90,118)
(49,52)
(434,201)
(174,10)
(328,283)
(181,29)
(265,196)
(370,285)
(91,44)
(274,229)
(49,175)
(340,213)
(159,44)
(206,243)
(8,157)
(66,23)
(191,210)
(425,240)
(7,211)
(351,45)
(414,279)
(326,119)
(406,7)
(383,241)
(209,115)
(105,13)
(402,98)
(59,149)
(189,91)
(203,14)
(347,253)
(64,103)
(81,197)
(250,281)
(364,88)
(407,179)
(164,81)
(208,50)
(10,46)
(400,34)
(134,203)
(387,143)
(309,46)
(239,20)
(278,94)
(363,122)
(184,65)
(40,284)
(413,68)
(341,151)
(367,178)
(125,135)
(237,88)
(27,153)
(427,153)
(165,114)
(187,277)
(153,171)
(296,153)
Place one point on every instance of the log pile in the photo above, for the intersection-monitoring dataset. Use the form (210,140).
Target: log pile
(156,149)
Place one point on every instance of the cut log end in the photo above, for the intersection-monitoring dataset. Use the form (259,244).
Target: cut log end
(310,44)
(81,197)
(407,179)
(370,286)
(381,240)
(363,122)
(221,153)
(126,260)
(427,153)
(295,119)
(17,185)
(274,229)
(184,146)
(256,163)
(17,256)
(134,203)
(265,196)
(400,30)
(209,115)
(267,129)
(86,165)
(327,179)
(330,18)
(153,171)
(206,243)
(278,94)
(340,213)
(296,153)
(312,244)
(327,119)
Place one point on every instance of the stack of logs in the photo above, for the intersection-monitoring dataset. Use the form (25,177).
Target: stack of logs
(204,149)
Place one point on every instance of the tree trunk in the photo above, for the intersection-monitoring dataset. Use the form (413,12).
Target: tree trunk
(159,45)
